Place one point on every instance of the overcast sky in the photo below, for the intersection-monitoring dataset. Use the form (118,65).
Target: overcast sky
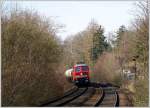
(76,15)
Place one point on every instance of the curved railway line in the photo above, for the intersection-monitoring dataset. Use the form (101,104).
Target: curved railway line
(87,96)
(110,98)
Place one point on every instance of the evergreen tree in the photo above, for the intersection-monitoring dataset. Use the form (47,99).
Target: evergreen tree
(119,34)
(99,43)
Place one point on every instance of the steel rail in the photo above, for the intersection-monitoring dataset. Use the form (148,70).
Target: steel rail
(101,98)
(73,98)
(68,93)
(117,99)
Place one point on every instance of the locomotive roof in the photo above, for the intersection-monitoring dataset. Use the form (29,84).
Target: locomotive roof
(81,65)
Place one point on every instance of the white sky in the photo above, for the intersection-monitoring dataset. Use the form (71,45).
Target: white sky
(77,14)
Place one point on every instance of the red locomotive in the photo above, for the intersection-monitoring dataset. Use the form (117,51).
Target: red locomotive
(78,74)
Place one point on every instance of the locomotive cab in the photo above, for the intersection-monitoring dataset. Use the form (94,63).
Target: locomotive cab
(80,74)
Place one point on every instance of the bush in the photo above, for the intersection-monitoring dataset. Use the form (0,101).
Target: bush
(141,93)
(117,80)
(106,69)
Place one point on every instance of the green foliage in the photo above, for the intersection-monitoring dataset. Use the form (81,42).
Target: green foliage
(120,33)
(99,43)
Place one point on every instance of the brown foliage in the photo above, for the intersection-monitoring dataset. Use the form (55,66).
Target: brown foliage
(105,69)
(30,57)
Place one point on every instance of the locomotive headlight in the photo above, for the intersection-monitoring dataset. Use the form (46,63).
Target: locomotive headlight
(81,73)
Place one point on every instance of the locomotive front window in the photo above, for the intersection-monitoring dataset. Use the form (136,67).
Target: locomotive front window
(77,69)
(85,68)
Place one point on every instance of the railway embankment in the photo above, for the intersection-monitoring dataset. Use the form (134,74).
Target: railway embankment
(125,97)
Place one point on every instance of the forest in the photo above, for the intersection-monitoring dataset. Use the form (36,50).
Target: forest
(34,58)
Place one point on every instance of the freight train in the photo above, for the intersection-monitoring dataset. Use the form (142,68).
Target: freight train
(79,74)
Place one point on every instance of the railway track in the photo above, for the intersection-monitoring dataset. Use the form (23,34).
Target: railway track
(110,98)
(82,99)
(87,96)
(74,90)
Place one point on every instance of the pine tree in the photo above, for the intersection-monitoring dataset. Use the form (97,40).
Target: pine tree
(119,34)
(99,43)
